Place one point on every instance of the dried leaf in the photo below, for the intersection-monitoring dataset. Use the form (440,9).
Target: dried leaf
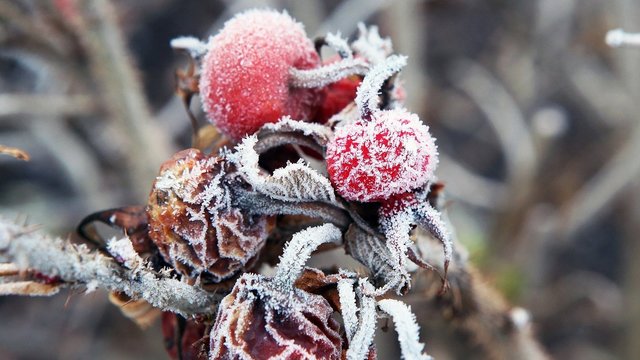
(407,329)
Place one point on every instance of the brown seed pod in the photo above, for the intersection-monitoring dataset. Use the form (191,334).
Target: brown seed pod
(258,320)
(193,224)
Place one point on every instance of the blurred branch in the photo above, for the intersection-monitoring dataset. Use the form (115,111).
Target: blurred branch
(475,311)
(77,265)
(124,98)
(55,105)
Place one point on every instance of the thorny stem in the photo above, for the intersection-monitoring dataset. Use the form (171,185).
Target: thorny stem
(77,266)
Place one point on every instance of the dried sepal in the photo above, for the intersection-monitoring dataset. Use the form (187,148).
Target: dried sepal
(339,45)
(299,249)
(294,183)
(184,339)
(348,307)
(318,132)
(15,152)
(328,74)
(361,341)
(9,269)
(372,251)
(431,219)
(370,45)
(369,90)
(407,329)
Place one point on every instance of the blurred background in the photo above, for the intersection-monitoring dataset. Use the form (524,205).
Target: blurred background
(535,118)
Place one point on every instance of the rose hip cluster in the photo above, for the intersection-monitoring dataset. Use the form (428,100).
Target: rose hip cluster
(219,219)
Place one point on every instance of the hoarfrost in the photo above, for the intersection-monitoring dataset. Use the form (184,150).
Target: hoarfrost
(294,183)
(299,249)
(369,89)
(348,307)
(370,45)
(339,45)
(328,74)
(407,329)
(192,45)
(360,343)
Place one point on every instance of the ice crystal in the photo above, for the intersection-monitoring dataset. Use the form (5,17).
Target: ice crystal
(348,306)
(407,329)
(339,45)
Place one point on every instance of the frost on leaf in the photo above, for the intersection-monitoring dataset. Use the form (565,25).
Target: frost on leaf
(123,251)
(359,345)
(318,132)
(407,329)
(369,90)
(299,249)
(327,74)
(370,45)
(375,255)
(295,182)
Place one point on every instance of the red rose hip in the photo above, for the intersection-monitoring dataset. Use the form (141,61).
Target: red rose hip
(245,73)
(389,154)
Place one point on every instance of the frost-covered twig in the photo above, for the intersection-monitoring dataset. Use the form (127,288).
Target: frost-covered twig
(299,249)
(76,265)
(361,341)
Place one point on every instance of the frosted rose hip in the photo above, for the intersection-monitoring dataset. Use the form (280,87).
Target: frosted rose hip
(245,74)
(257,320)
(390,154)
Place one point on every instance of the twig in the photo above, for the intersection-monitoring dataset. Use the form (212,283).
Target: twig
(77,266)
(124,98)
(474,310)
(54,105)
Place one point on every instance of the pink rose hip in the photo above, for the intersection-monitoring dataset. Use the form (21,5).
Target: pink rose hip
(245,81)
(389,154)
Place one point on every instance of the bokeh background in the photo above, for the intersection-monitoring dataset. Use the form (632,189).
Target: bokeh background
(536,120)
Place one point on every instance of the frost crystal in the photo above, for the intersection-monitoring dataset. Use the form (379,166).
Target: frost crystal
(299,249)
(407,329)
(369,90)
(370,45)
(295,182)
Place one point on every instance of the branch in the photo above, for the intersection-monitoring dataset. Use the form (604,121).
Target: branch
(77,265)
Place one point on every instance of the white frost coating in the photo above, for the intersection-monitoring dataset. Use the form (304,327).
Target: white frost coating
(339,45)
(348,307)
(362,339)
(396,229)
(295,182)
(299,249)
(78,265)
(369,89)
(430,219)
(327,74)
(318,131)
(618,38)
(123,250)
(407,328)
(194,46)
(370,45)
